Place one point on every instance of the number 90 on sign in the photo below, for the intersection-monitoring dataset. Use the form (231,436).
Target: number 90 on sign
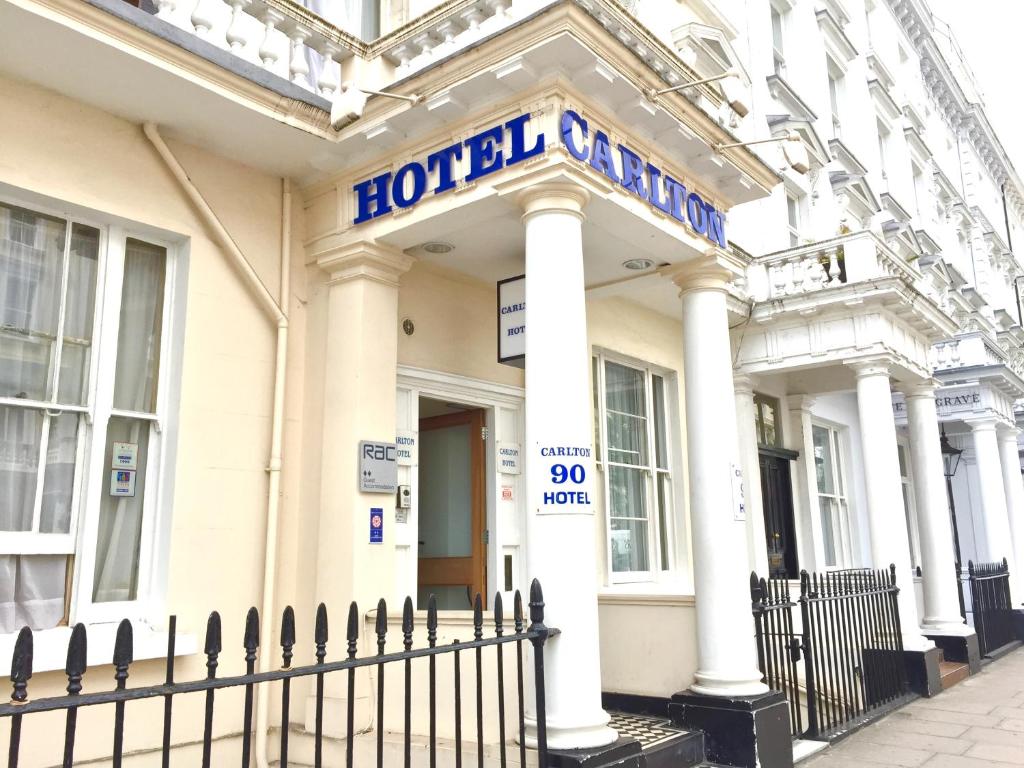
(562,475)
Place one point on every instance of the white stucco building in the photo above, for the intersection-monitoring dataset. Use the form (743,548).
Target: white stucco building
(639,298)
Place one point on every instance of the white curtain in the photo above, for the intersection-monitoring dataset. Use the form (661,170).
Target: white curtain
(20,435)
(31,591)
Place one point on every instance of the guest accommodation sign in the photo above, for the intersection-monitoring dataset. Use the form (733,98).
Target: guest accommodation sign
(508,144)
(512,321)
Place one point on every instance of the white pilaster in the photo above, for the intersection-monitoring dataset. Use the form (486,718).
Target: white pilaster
(889,543)
(726,656)
(746,429)
(941,602)
(560,465)
(1013,487)
(995,543)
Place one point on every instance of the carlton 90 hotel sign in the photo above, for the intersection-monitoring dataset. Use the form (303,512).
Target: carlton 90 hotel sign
(505,145)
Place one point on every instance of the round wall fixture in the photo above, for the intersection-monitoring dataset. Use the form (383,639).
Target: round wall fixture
(408,326)
(438,247)
(638,264)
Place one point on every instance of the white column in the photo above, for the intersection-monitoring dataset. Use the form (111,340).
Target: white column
(559,463)
(995,544)
(938,566)
(889,543)
(726,656)
(746,433)
(1013,487)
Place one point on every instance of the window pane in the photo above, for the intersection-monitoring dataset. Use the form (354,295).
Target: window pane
(138,334)
(793,212)
(32,591)
(902,454)
(660,423)
(664,510)
(21,430)
(596,383)
(627,423)
(59,479)
(823,459)
(827,508)
(776,30)
(629,537)
(120,527)
(837,458)
(31,266)
(78,315)
(768,416)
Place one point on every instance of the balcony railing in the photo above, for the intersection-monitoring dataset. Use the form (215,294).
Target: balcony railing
(854,258)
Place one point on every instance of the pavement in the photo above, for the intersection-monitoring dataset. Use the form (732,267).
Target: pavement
(978,723)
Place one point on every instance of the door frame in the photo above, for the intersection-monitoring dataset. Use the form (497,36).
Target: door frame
(783,454)
(477,576)
(504,406)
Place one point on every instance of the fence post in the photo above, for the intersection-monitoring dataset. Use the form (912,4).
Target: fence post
(540,635)
(809,682)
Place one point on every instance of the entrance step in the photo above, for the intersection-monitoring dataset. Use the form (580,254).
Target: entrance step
(664,745)
(951,673)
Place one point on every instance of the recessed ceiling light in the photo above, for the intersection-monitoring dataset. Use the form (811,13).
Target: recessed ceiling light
(638,264)
(438,247)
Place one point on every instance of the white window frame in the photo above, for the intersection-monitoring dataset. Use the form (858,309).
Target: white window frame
(793,206)
(836,75)
(91,478)
(842,531)
(662,551)
(910,503)
(778,45)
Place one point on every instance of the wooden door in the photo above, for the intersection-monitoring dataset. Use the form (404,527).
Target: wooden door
(452,556)
(779,525)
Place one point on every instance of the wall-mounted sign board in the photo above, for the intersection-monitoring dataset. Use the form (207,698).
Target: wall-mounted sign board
(512,321)
(378,467)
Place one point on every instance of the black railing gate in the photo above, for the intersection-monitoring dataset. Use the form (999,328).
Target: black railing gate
(848,638)
(21,706)
(991,607)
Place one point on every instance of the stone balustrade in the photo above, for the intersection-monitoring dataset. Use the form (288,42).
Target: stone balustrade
(845,260)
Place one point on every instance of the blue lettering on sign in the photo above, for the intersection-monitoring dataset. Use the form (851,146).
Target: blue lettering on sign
(645,180)
(505,145)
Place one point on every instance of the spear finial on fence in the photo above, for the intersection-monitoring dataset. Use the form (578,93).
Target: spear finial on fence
(498,611)
(382,625)
(21,666)
(517,612)
(432,621)
(478,617)
(352,630)
(320,633)
(407,624)
(536,606)
(123,655)
(251,637)
(76,661)
(212,647)
(287,636)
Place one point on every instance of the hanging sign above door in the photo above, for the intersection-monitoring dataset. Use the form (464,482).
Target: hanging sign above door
(512,321)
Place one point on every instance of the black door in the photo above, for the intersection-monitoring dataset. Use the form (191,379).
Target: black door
(779,528)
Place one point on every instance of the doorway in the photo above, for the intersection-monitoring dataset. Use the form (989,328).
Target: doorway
(779,525)
(451,561)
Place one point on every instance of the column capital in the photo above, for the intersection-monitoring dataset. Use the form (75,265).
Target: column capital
(800,402)
(982,423)
(553,197)
(713,271)
(743,384)
(923,388)
(1008,433)
(366,259)
(875,366)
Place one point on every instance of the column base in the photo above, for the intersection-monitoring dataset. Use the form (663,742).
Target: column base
(623,753)
(923,673)
(740,731)
(961,647)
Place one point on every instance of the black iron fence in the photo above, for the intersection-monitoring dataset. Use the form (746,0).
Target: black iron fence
(991,608)
(536,634)
(850,642)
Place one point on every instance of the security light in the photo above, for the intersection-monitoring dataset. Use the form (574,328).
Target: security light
(348,106)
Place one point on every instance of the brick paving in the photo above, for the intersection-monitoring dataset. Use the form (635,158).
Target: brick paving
(976,724)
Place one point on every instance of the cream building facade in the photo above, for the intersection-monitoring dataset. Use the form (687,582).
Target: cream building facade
(223,270)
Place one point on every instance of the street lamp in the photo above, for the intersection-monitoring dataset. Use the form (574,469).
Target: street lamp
(950,464)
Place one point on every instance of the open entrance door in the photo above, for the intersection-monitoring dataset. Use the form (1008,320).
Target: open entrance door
(452,561)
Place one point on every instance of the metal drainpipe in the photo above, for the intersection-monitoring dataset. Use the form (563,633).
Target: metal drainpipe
(278,313)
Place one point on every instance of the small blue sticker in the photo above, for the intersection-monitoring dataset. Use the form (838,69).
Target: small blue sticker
(376,525)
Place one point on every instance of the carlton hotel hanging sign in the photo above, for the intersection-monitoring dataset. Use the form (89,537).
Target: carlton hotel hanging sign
(505,145)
